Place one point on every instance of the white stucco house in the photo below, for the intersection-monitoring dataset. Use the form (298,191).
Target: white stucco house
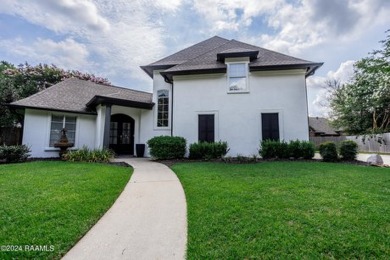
(215,90)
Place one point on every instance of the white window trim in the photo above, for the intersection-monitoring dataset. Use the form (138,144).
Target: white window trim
(216,123)
(228,77)
(47,147)
(155,127)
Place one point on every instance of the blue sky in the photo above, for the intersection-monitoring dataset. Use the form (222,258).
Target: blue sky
(113,38)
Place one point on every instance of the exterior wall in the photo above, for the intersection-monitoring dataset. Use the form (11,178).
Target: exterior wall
(238,116)
(36,132)
(148,124)
(99,126)
(135,113)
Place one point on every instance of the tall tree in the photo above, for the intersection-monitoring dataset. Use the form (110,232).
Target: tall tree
(363,105)
(17,82)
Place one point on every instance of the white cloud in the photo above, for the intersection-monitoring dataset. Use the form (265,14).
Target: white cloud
(232,15)
(67,54)
(60,16)
(309,23)
(317,94)
(118,36)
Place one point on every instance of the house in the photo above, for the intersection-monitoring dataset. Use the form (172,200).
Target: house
(215,90)
(319,126)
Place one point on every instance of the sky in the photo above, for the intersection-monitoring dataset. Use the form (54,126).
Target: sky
(112,38)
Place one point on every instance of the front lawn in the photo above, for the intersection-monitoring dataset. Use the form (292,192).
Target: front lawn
(286,210)
(46,207)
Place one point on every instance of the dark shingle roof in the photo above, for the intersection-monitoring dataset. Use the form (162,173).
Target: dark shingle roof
(74,95)
(202,58)
(321,126)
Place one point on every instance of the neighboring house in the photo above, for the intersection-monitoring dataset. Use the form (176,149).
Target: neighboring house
(319,126)
(215,90)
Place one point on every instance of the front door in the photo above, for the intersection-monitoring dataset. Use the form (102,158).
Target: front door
(122,134)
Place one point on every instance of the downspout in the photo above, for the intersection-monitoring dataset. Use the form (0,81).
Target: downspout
(170,81)
(307,110)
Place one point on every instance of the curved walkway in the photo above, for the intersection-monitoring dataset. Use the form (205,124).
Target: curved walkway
(147,221)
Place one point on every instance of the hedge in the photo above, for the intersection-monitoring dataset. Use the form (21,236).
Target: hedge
(167,147)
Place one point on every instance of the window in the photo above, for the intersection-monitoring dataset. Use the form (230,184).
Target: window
(270,126)
(60,122)
(237,73)
(162,108)
(206,128)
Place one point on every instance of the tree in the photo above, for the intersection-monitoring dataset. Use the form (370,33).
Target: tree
(24,80)
(363,105)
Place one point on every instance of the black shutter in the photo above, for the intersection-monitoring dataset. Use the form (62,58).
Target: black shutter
(270,126)
(206,128)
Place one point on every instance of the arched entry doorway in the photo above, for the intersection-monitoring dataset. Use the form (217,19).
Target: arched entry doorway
(122,134)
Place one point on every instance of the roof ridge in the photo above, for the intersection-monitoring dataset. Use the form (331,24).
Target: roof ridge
(278,53)
(202,54)
(215,36)
(100,84)
(39,92)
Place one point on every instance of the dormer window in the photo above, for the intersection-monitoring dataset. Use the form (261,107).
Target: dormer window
(237,77)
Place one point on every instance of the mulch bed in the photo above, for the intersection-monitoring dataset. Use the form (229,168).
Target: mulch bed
(169,163)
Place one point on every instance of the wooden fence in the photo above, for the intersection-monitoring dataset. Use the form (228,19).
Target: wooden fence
(10,136)
(317,140)
(373,144)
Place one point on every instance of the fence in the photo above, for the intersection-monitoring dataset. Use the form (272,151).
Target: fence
(317,140)
(373,143)
(10,135)
(369,143)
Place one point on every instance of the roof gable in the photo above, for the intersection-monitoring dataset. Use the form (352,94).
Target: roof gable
(185,54)
(321,125)
(208,57)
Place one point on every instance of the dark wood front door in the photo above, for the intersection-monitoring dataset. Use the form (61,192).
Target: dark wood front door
(122,134)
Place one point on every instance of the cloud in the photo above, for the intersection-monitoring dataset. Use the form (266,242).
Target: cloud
(317,94)
(67,54)
(117,36)
(60,16)
(232,15)
(309,23)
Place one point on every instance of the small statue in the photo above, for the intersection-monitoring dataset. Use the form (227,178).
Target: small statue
(64,138)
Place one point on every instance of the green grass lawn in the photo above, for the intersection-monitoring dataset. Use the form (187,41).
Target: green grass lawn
(53,204)
(297,210)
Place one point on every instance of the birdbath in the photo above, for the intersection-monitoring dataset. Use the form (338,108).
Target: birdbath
(63,143)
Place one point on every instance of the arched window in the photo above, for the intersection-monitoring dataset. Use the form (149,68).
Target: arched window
(162,108)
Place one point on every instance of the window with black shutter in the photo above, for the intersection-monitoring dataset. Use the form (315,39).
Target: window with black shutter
(206,128)
(270,126)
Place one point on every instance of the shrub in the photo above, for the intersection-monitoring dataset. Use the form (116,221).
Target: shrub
(328,151)
(307,150)
(282,150)
(269,149)
(204,150)
(295,149)
(87,155)
(348,150)
(14,153)
(167,147)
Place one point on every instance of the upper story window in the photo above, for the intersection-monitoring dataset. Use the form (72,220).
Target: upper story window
(162,108)
(57,124)
(238,77)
